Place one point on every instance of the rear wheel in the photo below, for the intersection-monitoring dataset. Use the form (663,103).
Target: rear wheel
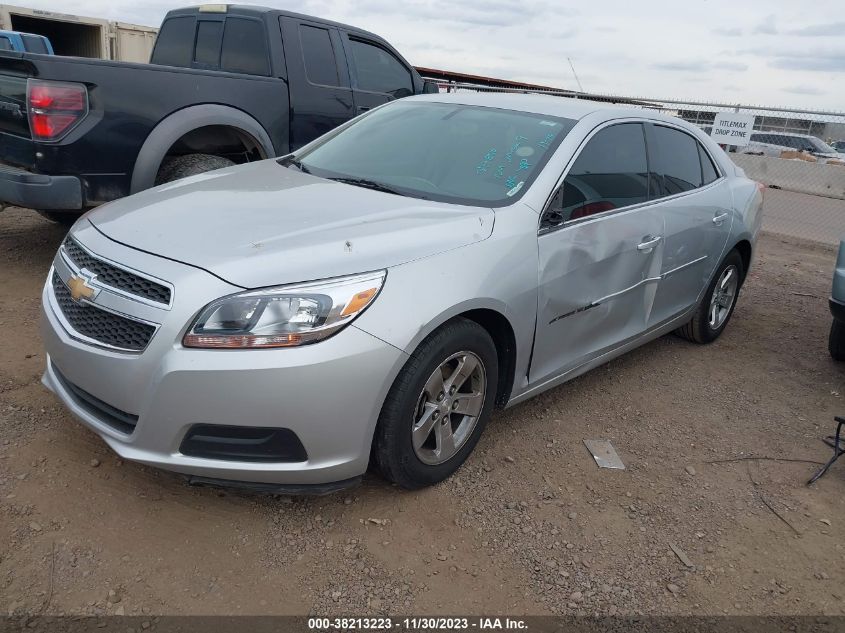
(189,165)
(836,342)
(716,307)
(438,406)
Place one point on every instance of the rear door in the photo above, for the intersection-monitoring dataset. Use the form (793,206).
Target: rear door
(320,94)
(695,202)
(378,74)
(600,248)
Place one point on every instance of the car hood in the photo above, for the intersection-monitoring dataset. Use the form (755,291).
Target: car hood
(263,224)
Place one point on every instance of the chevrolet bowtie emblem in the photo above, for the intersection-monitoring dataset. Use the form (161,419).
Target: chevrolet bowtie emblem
(79,289)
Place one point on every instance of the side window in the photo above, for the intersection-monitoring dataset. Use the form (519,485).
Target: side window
(173,44)
(5,44)
(207,49)
(610,172)
(318,53)
(379,71)
(708,170)
(244,47)
(34,44)
(676,160)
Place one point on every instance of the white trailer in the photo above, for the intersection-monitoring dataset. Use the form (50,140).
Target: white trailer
(80,36)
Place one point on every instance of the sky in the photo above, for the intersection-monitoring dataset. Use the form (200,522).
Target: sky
(758,52)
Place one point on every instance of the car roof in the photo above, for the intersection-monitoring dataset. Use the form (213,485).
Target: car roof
(550,105)
(784,133)
(250,9)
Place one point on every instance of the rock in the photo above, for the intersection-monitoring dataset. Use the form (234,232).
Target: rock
(573,515)
(120,610)
(673,588)
(347,501)
(690,471)
(34,527)
(94,462)
(145,624)
(825,521)
(113,597)
(509,459)
(576,596)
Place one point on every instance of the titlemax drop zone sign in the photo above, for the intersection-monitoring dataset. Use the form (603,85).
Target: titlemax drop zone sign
(732,128)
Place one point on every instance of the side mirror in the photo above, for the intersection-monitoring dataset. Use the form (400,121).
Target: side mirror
(430,88)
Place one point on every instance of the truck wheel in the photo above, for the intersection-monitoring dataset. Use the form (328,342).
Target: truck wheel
(189,165)
(65,218)
(836,343)
(438,406)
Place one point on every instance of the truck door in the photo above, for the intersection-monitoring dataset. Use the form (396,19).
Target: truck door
(378,74)
(320,94)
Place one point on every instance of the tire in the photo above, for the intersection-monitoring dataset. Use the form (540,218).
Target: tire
(65,218)
(408,403)
(189,165)
(700,328)
(836,342)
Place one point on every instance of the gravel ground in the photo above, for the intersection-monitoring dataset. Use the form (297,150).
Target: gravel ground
(528,526)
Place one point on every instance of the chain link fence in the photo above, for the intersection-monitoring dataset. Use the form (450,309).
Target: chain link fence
(798,154)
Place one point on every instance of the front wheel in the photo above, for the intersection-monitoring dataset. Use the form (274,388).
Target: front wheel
(836,342)
(438,406)
(716,307)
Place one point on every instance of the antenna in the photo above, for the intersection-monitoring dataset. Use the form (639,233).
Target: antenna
(572,66)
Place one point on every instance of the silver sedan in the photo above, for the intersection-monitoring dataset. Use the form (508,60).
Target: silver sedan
(374,296)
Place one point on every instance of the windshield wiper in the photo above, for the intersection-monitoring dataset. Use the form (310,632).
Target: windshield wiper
(287,162)
(367,184)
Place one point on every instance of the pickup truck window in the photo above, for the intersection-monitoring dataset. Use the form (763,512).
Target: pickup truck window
(244,47)
(207,49)
(380,71)
(172,48)
(5,44)
(318,54)
(34,44)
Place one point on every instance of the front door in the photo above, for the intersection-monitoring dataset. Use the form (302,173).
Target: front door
(600,250)
(378,76)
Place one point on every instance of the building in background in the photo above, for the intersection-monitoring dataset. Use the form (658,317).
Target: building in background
(80,36)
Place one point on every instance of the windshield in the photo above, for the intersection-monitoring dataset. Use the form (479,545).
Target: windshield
(447,152)
(821,146)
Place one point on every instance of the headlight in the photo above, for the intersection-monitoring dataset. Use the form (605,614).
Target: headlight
(286,316)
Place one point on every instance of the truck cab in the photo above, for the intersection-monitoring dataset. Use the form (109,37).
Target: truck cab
(25,43)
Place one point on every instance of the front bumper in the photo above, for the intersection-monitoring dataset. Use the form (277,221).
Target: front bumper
(329,394)
(22,188)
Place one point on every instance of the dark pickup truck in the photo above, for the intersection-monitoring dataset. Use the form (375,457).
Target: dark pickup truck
(226,84)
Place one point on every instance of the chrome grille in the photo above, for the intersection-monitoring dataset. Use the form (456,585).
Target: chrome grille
(115,277)
(99,325)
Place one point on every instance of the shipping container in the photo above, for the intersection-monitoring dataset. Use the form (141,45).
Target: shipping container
(79,36)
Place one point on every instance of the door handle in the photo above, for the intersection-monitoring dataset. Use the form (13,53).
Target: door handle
(719,219)
(650,244)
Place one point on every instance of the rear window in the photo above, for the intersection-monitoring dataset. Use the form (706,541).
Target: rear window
(207,49)
(5,44)
(174,44)
(318,53)
(244,47)
(34,44)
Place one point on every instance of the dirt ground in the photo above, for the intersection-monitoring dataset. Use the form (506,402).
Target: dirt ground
(529,525)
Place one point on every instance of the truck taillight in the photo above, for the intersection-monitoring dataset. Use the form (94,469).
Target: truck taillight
(54,108)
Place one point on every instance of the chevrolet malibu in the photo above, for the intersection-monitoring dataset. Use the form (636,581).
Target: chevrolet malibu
(372,297)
